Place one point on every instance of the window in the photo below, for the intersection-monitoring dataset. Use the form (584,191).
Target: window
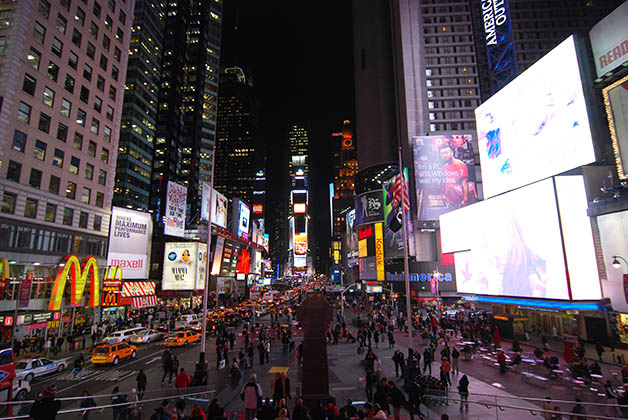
(97,103)
(3,43)
(35,178)
(83,220)
(66,4)
(80,16)
(91,149)
(89,171)
(70,190)
(109,113)
(100,83)
(84,95)
(51,213)
(73,60)
(106,42)
(106,134)
(66,107)
(39,152)
(53,71)
(108,22)
(97,222)
(87,72)
(91,50)
(57,47)
(44,122)
(30,208)
(104,155)
(68,216)
(49,97)
(61,23)
(19,141)
(24,112)
(97,9)
(100,200)
(14,171)
(77,38)
(29,84)
(93,29)
(114,72)
(39,32)
(33,58)
(86,196)
(8,202)
(69,83)
(95,128)
(44,8)
(62,132)
(81,116)
(78,141)
(112,93)
(117,54)
(111,4)
(119,34)
(122,17)
(102,177)
(103,62)
(75,163)
(57,159)
(53,186)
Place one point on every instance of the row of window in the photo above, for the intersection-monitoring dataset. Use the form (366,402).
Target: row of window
(452,126)
(449,71)
(437,93)
(465,103)
(451,81)
(9,201)
(446,29)
(14,172)
(448,39)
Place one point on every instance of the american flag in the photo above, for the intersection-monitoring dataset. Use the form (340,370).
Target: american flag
(400,189)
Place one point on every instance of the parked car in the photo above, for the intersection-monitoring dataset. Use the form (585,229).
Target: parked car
(122,335)
(183,338)
(21,388)
(29,369)
(113,353)
(146,337)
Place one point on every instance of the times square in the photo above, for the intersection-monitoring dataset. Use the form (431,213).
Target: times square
(466,258)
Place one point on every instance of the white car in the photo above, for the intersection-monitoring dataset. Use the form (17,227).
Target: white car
(146,337)
(21,388)
(122,335)
(29,369)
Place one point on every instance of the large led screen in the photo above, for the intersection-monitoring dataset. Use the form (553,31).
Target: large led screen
(536,126)
(616,101)
(512,245)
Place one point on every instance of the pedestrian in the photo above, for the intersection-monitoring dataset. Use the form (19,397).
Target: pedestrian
(578,409)
(446,370)
(17,345)
(427,360)
(251,395)
(300,412)
(166,362)
(463,390)
(377,368)
(300,354)
(368,384)
(78,365)
(117,398)
(599,349)
(262,351)
(547,406)
(45,406)
(133,398)
(197,413)
(455,355)
(397,399)
(399,362)
(47,347)
(214,410)
(174,369)
(86,402)
(141,383)
(251,353)
(182,381)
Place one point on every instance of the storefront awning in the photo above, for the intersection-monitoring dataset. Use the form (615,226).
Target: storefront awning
(144,301)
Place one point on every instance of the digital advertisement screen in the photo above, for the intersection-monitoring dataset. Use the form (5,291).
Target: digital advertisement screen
(300,244)
(616,102)
(512,245)
(536,126)
(244,219)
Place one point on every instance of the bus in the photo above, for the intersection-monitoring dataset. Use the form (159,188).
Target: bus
(7,373)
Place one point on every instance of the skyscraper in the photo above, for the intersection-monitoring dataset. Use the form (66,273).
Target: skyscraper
(139,112)
(346,168)
(239,153)
(62,68)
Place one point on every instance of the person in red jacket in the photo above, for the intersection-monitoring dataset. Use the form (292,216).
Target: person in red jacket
(182,381)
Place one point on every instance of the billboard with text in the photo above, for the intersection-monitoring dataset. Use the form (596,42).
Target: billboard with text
(130,235)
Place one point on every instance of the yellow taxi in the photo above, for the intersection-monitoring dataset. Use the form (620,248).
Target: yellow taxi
(182,338)
(112,353)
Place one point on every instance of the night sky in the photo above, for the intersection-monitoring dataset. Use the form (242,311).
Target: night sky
(300,57)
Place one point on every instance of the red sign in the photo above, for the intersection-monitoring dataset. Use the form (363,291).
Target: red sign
(110,298)
(56,316)
(8,321)
(25,291)
(433,285)
(365,232)
(36,326)
(3,283)
(258,208)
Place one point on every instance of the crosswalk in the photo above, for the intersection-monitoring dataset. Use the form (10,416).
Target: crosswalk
(114,375)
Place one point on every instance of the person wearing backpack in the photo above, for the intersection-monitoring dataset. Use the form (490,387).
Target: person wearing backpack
(251,395)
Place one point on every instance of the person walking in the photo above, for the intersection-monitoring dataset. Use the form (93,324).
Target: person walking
(166,362)
(182,381)
(446,370)
(463,390)
(78,365)
(399,362)
(397,399)
(251,395)
(427,359)
(86,402)
(117,398)
(455,355)
(45,406)
(262,351)
(369,381)
(141,381)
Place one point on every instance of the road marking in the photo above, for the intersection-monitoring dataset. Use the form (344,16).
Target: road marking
(154,359)
(346,388)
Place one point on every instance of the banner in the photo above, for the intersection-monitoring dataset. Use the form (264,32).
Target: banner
(216,207)
(369,207)
(184,266)
(351,239)
(444,174)
(220,244)
(130,235)
(25,291)
(175,209)
(379,252)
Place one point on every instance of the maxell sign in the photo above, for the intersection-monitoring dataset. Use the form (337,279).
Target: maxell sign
(129,242)
(609,40)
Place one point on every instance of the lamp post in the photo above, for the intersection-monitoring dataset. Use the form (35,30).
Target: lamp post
(342,302)
(615,263)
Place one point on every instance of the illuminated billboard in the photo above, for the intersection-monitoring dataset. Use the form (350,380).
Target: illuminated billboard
(616,103)
(184,266)
(500,48)
(536,126)
(176,200)
(258,208)
(609,41)
(299,208)
(129,242)
(351,239)
(241,218)
(300,244)
(216,206)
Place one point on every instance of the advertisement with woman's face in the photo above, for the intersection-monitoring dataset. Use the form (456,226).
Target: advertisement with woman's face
(515,246)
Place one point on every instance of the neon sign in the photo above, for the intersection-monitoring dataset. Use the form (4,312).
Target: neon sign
(78,276)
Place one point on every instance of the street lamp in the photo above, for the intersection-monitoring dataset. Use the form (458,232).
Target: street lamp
(615,263)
